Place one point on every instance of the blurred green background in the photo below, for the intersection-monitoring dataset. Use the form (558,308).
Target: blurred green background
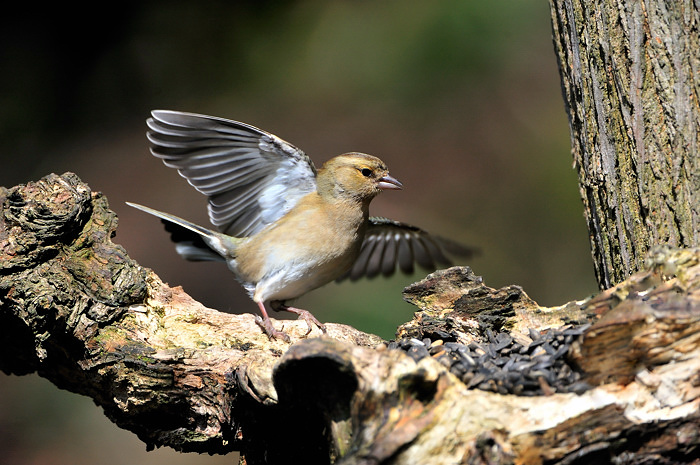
(460,98)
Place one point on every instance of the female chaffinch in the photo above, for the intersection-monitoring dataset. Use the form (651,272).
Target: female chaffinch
(284,228)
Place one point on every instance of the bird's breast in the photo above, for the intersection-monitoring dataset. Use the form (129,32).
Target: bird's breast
(313,244)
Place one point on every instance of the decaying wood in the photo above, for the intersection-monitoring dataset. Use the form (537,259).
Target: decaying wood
(631,85)
(77,310)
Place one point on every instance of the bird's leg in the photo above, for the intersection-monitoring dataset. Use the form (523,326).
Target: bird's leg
(266,324)
(279,306)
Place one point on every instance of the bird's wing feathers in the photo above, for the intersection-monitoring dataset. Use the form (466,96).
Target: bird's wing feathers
(388,243)
(252,177)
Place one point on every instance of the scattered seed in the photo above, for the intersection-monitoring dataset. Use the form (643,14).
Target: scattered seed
(500,364)
(534,334)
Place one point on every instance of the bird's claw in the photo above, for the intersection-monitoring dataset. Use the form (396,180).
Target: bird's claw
(303,315)
(272,333)
(310,319)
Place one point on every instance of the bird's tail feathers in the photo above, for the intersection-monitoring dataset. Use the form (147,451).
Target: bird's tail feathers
(220,243)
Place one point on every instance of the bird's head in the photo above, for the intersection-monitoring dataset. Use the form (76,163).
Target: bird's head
(355,175)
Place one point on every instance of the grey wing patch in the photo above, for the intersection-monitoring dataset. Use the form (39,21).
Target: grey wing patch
(390,245)
(252,177)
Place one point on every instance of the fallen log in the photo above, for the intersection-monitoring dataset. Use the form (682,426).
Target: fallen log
(615,377)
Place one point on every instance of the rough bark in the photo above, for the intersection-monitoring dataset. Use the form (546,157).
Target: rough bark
(77,310)
(630,74)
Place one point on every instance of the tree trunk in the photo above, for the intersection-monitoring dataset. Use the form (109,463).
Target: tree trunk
(479,376)
(630,74)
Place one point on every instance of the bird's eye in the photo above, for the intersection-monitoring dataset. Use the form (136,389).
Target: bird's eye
(366,172)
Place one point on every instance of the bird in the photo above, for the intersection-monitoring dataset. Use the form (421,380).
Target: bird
(282,226)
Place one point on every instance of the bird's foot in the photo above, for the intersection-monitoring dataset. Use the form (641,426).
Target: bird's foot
(272,333)
(308,318)
(303,314)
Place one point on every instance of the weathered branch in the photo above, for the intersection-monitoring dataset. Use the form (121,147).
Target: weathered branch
(77,310)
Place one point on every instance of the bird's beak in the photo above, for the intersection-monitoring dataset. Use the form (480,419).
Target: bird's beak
(389,182)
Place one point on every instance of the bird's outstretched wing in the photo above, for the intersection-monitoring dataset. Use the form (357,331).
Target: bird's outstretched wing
(252,177)
(388,243)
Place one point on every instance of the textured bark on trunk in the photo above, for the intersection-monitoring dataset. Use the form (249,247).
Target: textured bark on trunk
(630,73)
